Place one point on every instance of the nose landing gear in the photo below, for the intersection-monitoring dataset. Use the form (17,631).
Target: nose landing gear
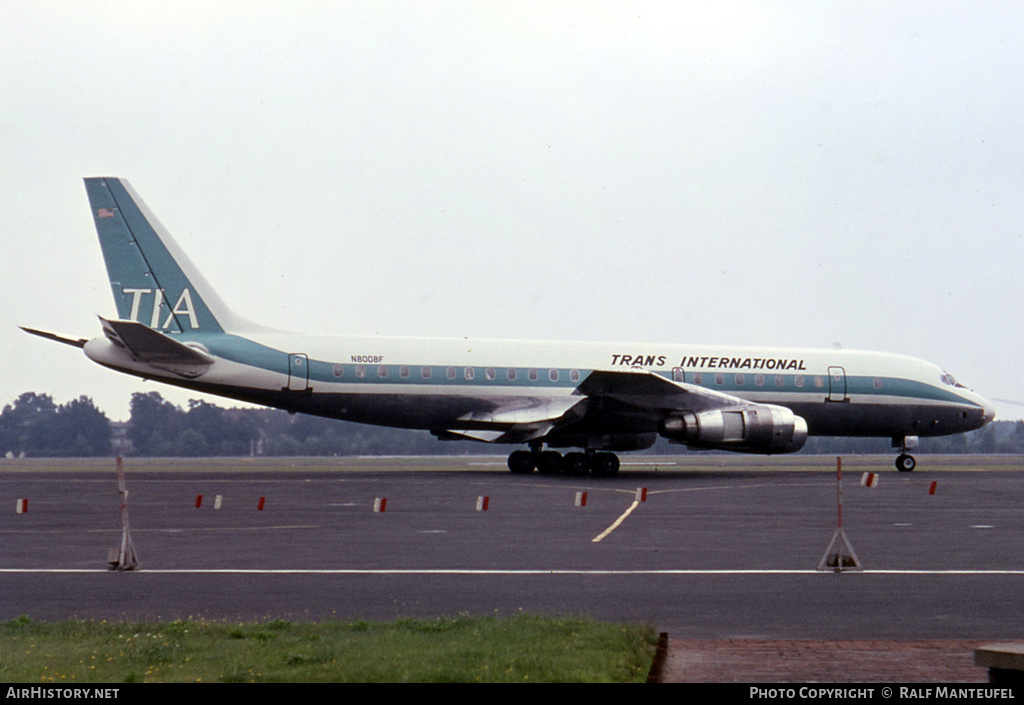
(905,462)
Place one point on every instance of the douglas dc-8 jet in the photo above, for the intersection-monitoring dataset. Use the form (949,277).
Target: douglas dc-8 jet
(594,398)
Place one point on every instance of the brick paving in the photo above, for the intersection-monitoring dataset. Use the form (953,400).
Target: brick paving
(807,661)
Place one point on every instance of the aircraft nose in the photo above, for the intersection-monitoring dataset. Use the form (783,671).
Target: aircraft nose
(988,412)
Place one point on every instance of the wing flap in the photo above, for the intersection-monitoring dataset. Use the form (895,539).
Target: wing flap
(517,420)
(524,411)
(515,434)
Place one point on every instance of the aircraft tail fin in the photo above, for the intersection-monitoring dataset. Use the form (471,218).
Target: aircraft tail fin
(154,283)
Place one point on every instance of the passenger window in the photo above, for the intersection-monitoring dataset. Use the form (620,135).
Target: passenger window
(468,373)
(574,375)
(533,375)
(382,371)
(403,372)
(739,380)
(511,373)
(450,373)
(491,374)
(553,375)
(677,374)
(425,372)
(780,381)
(360,371)
(339,370)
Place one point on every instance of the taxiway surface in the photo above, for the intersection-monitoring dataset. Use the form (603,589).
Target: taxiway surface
(711,554)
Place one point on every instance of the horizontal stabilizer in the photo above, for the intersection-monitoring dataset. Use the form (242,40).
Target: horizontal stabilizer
(76,342)
(152,347)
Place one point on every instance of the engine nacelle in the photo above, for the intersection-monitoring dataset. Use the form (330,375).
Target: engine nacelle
(757,428)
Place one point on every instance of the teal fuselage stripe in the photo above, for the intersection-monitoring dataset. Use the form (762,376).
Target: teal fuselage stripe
(247,352)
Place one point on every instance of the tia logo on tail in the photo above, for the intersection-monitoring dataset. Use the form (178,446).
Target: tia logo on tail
(183,307)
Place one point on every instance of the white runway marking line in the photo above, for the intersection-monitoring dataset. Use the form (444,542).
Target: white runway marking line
(716,488)
(616,523)
(499,571)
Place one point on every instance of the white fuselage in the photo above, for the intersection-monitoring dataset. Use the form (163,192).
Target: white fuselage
(433,383)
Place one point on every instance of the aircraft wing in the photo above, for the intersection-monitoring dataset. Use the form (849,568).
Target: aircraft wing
(650,391)
(644,403)
(604,398)
(157,349)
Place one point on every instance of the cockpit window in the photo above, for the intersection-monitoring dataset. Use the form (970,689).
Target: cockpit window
(951,380)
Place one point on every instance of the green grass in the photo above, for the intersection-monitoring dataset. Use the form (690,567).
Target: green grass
(524,648)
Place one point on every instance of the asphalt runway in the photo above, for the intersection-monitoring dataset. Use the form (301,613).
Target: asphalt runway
(720,549)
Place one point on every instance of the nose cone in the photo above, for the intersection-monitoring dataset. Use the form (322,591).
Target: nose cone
(988,412)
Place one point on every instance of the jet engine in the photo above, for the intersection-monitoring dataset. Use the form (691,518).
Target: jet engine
(756,428)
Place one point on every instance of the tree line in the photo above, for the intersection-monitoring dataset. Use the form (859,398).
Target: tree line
(35,426)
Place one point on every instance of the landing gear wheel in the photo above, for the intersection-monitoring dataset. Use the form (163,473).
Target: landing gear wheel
(521,462)
(604,465)
(575,464)
(905,463)
(550,463)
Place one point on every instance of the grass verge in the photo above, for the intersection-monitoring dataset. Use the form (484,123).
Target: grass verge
(524,648)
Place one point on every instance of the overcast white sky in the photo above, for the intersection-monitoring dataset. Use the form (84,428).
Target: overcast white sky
(767,173)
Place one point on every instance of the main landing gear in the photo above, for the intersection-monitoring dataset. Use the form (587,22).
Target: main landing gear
(550,462)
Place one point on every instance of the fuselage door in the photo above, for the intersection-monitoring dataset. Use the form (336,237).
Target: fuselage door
(837,384)
(298,372)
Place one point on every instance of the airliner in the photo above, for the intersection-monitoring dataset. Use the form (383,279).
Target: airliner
(594,399)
